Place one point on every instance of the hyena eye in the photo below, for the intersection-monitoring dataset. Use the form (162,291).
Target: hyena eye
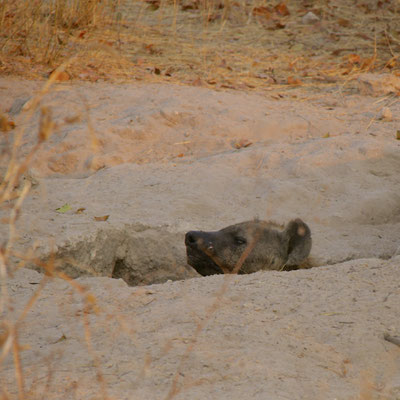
(240,240)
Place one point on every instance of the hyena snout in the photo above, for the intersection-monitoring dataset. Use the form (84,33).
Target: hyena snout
(199,240)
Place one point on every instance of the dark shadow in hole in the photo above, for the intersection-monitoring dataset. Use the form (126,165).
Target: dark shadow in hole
(121,270)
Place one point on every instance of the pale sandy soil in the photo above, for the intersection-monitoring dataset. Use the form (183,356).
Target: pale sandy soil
(162,159)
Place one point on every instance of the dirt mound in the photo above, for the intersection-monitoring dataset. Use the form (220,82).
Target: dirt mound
(315,333)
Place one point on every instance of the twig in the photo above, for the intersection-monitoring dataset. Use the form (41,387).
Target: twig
(174,390)
(392,339)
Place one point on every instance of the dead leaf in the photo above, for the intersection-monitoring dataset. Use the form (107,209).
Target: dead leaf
(242,143)
(72,119)
(267,78)
(213,17)
(278,25)
(368,63)
(197,82)
(46,124)
(6,125)
(326,136)
(294,81)
(80,210)
(169,71)
(354,58)
(227,86)
(344,22)
(391,63)
(363,36)
(82,34)
(180,155)
(262,12)
(190,6)
(103,218)
(282,9)
(61,339)
(153,4)
(398,135)
(151,49)
(60,76)
(337,52)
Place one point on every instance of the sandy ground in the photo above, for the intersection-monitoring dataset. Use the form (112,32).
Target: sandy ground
(309,334)
(163,159)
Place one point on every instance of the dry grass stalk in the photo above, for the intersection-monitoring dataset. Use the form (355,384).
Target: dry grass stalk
(10,192)
(175,389)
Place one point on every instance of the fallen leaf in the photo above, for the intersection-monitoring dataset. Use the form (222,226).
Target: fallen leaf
(80,210)
(354,59)
(326,135)
(213,17)
(368,63)
(81,34)
(197,82)
(169,71)
(266,78)
(391,63)
(153,4)
(66,207)
(180,155)
(398,135)
(242,143)
(103,218)
(262,12)
(190,6)
(278,25)
(46,124)
(344,22)
(293,81)
(363,36)
(151,49)
(72,119)
(60,76)
(282,9)
(61,339)
(6,125)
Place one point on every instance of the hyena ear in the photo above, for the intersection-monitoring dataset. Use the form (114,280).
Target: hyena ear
(298,235)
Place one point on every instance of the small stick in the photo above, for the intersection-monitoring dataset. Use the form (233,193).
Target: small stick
(392,339)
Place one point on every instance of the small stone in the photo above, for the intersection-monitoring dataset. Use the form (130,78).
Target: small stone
(386,114)
(309,19)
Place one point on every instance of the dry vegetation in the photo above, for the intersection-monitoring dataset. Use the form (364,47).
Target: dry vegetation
(242,44)
(237,44)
